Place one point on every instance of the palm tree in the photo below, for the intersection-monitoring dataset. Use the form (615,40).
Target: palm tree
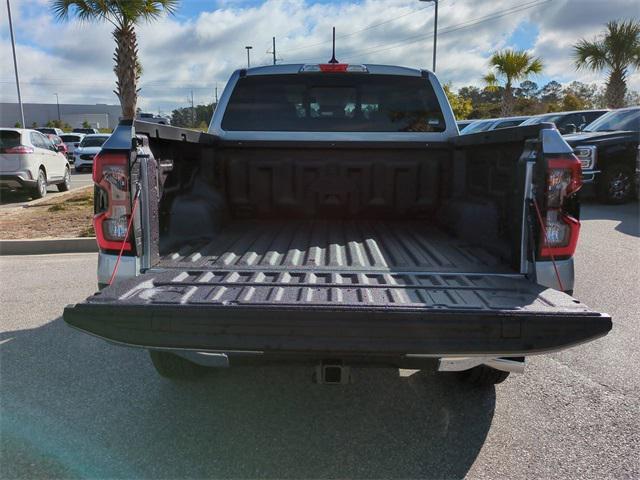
(124,15)
(618,51)
(510,66)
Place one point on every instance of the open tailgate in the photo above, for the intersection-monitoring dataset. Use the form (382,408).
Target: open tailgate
(386,313)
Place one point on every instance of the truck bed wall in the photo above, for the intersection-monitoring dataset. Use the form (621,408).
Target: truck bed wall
(472,190)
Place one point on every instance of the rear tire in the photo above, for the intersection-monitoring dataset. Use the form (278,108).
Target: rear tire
(40,189)
(616,184)
(483,376)
(66,182)
(174,367)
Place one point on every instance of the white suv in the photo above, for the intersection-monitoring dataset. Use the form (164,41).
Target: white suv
(30,161)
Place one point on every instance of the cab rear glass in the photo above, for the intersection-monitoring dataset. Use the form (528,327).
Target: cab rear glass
(333,103)
(9,139)
(93,141)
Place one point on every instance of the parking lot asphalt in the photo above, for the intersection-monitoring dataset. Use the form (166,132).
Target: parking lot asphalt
(75,406)
(15,199)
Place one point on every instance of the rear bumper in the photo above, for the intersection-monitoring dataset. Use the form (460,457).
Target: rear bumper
(335,332)
(17,180)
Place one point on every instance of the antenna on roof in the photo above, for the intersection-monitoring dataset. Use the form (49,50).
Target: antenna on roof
(333,54)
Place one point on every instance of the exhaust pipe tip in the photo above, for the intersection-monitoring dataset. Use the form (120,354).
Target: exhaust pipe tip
(460,364)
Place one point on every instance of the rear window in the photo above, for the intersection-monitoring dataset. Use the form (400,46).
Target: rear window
(70,138)
(333,103)
(508,123)
(476,127)
(9,139)
(93,141)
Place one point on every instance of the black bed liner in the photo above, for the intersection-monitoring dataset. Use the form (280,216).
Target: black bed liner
(363,245)
(337,312)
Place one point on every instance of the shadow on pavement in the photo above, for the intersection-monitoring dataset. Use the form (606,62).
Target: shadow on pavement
(13,196)
(628,215)
(75,406)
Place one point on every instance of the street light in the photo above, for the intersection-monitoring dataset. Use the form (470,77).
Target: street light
(15,64)
(435,32)
(248,47)
(58,104)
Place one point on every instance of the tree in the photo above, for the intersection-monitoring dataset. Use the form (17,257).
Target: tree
(183,117)
(617,52)
(509,66)
(587,94)
(86,124)
(571,102)
(461,106)
(124,15)
(529,89)
(632,98)
(551,96)
(17,125)
(54,124)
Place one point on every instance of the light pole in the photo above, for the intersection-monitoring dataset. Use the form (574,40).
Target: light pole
(58,105)
(15,64)
(248,47)
(435,32)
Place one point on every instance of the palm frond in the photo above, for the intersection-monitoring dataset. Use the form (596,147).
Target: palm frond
(590,55)
(147,10)
(491,80)
(515,64)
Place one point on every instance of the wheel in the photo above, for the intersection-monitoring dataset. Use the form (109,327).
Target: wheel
(174,367)
(616,184)
(66,183)
(483,376)
(41,187)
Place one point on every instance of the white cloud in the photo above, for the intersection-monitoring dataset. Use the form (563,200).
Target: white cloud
(181,54)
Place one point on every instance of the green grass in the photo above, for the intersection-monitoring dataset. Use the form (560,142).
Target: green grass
(58,207)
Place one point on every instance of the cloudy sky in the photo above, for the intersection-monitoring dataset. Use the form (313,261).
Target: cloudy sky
(197,48)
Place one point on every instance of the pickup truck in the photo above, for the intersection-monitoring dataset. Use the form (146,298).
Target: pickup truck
(607,150)
(333,216)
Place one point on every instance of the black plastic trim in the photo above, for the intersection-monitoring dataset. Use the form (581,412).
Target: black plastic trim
(380,331)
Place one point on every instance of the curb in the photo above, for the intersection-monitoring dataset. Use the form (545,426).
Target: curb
(53,245)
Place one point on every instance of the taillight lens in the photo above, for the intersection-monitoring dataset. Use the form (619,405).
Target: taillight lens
(113,208)
(18,149)
(561,230)
(564,178)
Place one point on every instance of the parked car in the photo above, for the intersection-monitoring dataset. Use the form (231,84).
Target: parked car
(86,131)
(87,150)
(72,141)
(60,145)
(151,118)
(607,149)
(29,162)
(567,122)
(463,123)
(337,226)
(50,131)
(492,124)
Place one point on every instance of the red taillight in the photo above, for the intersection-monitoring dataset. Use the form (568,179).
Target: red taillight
(18,149)
(561,230)
(111,176)
(333,67)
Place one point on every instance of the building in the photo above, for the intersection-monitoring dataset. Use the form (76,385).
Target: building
(99,115)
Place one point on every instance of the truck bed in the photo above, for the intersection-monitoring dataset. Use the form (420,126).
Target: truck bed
(334,245)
